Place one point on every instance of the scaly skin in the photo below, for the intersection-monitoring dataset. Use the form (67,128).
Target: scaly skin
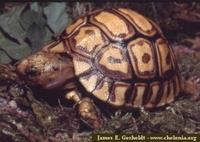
(48,71)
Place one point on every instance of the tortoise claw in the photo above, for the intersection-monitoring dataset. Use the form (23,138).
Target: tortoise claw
(90,114)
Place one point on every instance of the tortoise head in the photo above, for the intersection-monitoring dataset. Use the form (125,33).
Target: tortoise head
(46,69)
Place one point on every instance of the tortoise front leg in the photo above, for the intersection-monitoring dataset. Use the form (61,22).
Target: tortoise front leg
(87,110)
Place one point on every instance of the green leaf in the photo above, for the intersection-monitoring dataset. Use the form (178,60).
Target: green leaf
(26,29)
(35,26)
(48,36)
(9,22)
(36,34)
(57,17)
(14,50)
(29,17)
(36,7)
(4,59)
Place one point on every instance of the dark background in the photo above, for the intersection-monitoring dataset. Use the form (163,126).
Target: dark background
(27,115)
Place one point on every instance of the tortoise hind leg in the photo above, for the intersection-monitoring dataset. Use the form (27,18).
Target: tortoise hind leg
(87,110)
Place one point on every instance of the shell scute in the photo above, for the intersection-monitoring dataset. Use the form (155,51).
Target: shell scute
(75,26)
(81,65)
(116,27)
(140,22)
(113,62)
(88,40)
(91,80)
(102,90)
(118,94)
(138,94)
(153,93)
(142,58)
(164,57)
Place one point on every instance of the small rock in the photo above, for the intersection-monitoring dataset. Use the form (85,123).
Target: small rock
(13,104)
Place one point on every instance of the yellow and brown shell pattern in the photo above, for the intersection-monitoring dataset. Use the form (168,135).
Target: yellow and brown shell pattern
(123,59)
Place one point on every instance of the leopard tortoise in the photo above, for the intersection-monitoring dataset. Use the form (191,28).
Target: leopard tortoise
(116,55)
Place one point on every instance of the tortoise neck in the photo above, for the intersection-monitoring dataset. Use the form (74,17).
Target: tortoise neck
(70,82)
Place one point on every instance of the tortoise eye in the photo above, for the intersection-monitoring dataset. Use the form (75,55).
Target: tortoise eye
(32,71)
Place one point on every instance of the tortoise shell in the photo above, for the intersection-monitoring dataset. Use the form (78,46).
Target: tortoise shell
(123,59)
